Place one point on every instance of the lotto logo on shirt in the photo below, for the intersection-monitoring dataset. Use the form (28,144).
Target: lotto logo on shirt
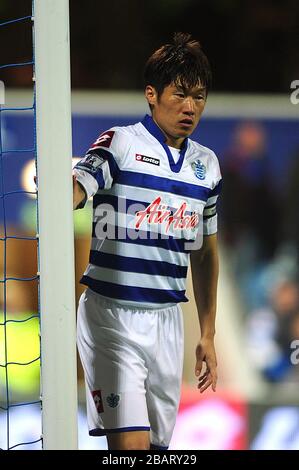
(104,140)
(145,159)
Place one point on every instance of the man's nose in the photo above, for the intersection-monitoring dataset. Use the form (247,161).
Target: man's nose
(189,107)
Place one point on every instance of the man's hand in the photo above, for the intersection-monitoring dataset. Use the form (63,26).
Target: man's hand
(205,352)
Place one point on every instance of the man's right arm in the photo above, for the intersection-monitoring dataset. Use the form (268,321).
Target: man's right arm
(79,194)
(98,168)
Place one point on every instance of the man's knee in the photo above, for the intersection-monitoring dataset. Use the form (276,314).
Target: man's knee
(131,440)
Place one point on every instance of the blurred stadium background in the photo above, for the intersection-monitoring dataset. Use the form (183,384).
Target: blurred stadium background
(252,125)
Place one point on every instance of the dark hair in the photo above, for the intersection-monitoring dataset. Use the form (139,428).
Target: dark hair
(182,62)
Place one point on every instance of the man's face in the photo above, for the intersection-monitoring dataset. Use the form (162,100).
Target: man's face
(177,111)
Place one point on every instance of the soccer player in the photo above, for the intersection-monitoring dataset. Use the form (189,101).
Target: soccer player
(154,194)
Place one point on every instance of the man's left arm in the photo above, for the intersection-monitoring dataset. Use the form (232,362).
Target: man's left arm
(205,268)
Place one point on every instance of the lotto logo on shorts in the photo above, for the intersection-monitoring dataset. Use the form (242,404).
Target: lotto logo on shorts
(144,158)
(97,398)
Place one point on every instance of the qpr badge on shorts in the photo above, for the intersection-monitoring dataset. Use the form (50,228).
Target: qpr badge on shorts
(199,169)
(113,400)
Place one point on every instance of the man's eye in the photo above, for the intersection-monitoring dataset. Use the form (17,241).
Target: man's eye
(200,97)
(181,95)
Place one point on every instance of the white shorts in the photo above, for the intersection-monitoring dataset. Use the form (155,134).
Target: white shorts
(133,361)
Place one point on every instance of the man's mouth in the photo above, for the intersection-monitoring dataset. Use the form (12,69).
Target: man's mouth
(186,122)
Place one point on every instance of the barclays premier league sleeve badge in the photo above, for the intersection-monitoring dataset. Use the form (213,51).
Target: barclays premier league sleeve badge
(199,169)
(91,162)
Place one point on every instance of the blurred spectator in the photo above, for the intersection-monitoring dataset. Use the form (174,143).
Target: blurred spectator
(271,330)
(249,210)
(291,215)
(249,207)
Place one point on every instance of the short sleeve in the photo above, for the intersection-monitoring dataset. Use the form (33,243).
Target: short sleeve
(210,210)
(99,167)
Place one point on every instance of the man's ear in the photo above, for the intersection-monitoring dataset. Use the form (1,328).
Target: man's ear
(151,95)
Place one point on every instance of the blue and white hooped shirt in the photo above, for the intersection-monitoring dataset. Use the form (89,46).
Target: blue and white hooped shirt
(149,212)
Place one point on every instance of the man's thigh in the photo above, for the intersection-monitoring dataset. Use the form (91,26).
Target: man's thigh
(115,371)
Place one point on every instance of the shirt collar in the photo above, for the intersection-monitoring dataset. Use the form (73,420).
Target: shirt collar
(155,130)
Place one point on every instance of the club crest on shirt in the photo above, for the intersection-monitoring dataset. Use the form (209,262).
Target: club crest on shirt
(199,169)
(113,400)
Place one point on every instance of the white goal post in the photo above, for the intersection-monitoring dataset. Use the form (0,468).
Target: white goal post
(56,235)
